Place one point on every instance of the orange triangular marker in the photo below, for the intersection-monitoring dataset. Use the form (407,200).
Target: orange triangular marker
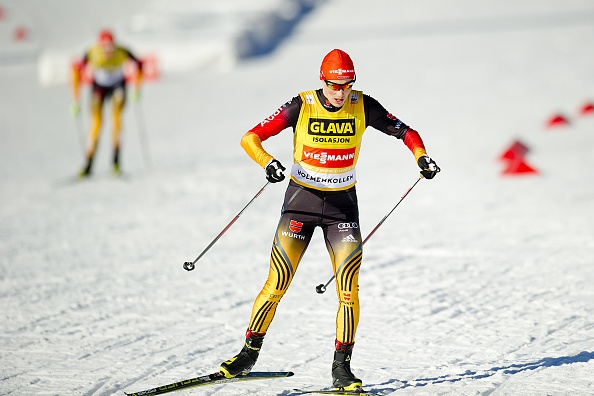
(519,167)
(557,121)
(587,109)
(515,151)
(20,33)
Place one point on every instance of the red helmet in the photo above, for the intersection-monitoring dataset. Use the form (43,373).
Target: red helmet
(105,37)
(337,65)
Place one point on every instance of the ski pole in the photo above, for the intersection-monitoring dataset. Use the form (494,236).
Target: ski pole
(143,135)
(80,133)
(321,288)
(190,265)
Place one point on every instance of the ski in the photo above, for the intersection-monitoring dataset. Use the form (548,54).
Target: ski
(69,180)
(357,392)
(210,379)
(77,179)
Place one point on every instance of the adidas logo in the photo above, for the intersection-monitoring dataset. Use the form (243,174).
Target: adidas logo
(349,238)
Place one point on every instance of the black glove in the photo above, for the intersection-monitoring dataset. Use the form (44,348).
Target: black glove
(428,166)
(274,171)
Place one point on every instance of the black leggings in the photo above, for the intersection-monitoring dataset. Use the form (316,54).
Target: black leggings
(304,209)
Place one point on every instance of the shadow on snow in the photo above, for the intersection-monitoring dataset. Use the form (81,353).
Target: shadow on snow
(271,28)
(511,369)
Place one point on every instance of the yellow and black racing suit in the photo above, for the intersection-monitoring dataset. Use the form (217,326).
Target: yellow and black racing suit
(108,81)
(321,193)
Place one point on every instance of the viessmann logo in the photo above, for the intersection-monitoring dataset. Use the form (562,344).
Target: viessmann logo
(326,127)
(328,158)
(340,71)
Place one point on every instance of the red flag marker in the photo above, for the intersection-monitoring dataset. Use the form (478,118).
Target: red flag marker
(557,120)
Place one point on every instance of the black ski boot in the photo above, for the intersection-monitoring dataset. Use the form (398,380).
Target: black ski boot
(242,363)
(86,171)
(342,377)
(116,162)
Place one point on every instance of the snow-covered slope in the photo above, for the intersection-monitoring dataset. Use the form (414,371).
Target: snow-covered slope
(478,283)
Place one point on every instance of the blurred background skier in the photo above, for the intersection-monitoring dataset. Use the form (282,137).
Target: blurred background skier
(106,60)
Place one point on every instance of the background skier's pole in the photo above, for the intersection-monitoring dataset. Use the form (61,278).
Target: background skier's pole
(143,135)
(80,134)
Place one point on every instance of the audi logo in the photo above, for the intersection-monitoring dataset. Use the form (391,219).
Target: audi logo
(342,226)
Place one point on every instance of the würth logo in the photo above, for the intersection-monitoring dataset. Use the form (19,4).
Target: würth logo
(295,226)
(326,127)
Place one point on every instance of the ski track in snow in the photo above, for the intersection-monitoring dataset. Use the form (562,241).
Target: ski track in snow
(477,284)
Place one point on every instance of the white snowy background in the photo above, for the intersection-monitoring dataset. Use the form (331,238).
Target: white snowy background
(478,284)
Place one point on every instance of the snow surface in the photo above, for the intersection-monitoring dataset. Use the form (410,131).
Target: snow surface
(478,284)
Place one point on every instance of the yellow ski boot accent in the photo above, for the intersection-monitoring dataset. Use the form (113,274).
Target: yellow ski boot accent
(355,386)
(242,363)
(223,369)
(342,376)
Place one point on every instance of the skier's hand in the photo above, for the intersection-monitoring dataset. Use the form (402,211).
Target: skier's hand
(74,109)
(136,96)
(428,167)
(274,171)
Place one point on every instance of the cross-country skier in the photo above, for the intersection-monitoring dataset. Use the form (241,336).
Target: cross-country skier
(328,125)
(106,59)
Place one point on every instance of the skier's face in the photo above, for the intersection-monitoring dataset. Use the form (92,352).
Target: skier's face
(336,91)
(107,48)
